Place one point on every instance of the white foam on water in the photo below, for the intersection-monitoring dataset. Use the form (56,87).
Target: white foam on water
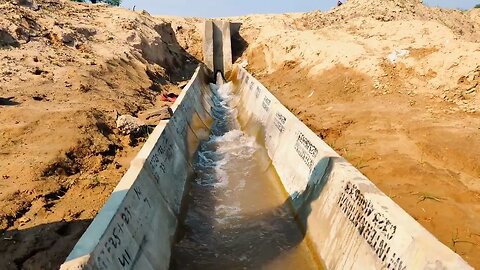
(219,157)
(234,216)
(226,214)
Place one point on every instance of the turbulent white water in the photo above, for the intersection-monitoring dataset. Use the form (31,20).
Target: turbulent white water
(227,144)
(236,217)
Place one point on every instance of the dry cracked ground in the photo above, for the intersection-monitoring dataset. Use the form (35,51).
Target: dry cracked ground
(391,85)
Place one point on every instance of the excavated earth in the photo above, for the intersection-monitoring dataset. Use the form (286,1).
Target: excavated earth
(394,87)
(391,85)
(67,72)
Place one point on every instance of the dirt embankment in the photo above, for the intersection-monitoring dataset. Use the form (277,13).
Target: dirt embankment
(393,86)
(67,70)
(409,122)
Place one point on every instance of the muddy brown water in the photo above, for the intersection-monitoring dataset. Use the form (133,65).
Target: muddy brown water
(237,215)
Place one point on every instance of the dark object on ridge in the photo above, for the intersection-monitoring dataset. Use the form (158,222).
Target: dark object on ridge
(7,101)
(339,3)
(109,2)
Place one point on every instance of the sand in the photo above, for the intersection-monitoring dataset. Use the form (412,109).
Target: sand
(68,70)
(412,126)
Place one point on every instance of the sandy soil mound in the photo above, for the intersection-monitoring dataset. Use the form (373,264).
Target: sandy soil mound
(67,71)
(460,22)
(393,86)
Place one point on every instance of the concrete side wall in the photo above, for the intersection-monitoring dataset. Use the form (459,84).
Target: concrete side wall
(350,222)
(208,59)
(226,37)
(217,46)
(135,229)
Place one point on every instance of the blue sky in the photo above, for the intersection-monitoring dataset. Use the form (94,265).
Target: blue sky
(226,8)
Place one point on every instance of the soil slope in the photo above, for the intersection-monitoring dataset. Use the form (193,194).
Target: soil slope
(393,86)
(67,71)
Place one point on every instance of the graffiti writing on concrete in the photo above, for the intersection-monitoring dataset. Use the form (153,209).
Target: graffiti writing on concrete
(116,246)
(372,225)
(306,150)
(160,159)
(180,124)
(280,121)
(257,92)
(252,85)
(266,103)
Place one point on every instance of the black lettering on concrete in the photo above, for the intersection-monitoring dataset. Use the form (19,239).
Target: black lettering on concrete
(266,103)
(306,150)
(125,260)
(114,240)
(279,122)
(100,260)
(138,192)
(250,87)
(161,158)
(162,167)
(302,153)
(374,227)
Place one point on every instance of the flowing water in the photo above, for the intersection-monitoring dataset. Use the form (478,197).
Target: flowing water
(236,214)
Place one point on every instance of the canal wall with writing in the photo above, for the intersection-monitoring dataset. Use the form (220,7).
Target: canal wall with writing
(350,222)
